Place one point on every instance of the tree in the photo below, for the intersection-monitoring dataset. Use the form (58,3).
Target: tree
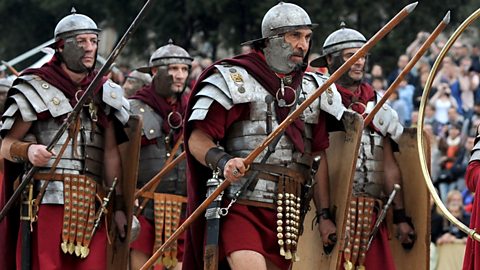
(221,23)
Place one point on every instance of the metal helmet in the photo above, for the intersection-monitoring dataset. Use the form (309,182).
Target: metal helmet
(284,17)
(144,78)
(74,24)
(343,38)
(66,30)
(166,55)
(280,19)
(134,81)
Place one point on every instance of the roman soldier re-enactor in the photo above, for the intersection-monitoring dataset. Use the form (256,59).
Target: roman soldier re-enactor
(162,105)
(377,170)
(134,81)
(61,208)
(235,104)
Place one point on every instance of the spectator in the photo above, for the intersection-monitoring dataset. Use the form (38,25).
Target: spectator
(451,233)
(474,121)
(429,119)
(405,92)
(417,43)
(442,101)
(460,165)
(246,49)
(454,118)
(448,74)
(451,144)
(378,83)
(401,64)
(475,55)
(419,88)
(399,106)
(468,82)
(376,72)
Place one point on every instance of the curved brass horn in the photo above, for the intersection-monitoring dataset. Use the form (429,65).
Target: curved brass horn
(421,151)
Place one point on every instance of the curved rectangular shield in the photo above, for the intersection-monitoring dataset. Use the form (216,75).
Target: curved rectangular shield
(417,204)
(342,157)
(118,251)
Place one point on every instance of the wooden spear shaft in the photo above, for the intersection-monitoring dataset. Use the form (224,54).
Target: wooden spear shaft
(285,123)
(408,67)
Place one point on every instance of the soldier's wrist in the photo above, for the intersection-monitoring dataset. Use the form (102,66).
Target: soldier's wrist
(19,151)
(324,214)
(216,159)
(399,216)
(119,204)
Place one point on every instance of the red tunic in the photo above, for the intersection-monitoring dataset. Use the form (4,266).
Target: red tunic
(10,224)
(47,237)
(472,251)
(146,238)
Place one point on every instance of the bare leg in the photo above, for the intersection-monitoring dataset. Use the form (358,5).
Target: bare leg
(249,259)
(137,259)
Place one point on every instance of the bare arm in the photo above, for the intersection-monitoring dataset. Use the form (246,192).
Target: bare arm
(37,154)
(322,201)
(111,159)
(113,168)
(199,143)
(392,173)
(322,187)
(405,232)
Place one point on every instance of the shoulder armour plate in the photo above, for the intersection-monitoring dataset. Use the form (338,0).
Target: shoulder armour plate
(215,89)
(24,106)
(330,99)
(42,95)
(386,120)
(241,85)
(113,96)
(152,122)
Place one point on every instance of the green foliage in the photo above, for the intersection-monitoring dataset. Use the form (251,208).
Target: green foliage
(224,23)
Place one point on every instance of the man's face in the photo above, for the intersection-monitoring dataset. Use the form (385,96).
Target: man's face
(179,73)
(131,85)
(357,70)
(300,41)
(89,43)
(402,61)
